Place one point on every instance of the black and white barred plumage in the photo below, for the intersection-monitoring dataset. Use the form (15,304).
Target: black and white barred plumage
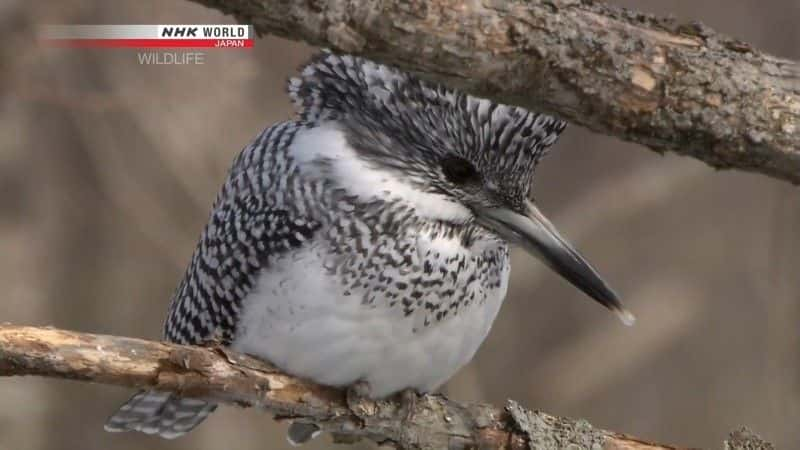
(245,227)
(350,244)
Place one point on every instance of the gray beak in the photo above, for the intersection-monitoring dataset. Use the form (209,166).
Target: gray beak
(539,237)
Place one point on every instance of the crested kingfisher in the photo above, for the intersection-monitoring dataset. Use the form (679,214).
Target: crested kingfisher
(367,240)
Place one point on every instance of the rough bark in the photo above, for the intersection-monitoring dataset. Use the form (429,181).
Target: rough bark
(430,422)
(668,85)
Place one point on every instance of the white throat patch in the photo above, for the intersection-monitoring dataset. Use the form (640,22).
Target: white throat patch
(328,144)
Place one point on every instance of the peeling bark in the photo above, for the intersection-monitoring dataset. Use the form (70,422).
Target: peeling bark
(220,375)
(668,85)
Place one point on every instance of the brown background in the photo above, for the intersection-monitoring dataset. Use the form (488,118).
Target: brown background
(108,168)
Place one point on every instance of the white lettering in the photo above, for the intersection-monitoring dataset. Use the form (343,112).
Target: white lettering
(171,58)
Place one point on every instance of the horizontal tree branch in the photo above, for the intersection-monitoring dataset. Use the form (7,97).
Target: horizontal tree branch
(220,375)
(667,85)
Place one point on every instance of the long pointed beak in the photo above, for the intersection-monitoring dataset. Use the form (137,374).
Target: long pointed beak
(539,237)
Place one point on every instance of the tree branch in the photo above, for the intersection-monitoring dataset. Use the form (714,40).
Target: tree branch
(223,376)
(667,85)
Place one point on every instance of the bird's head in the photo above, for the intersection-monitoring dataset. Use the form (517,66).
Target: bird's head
(381,134)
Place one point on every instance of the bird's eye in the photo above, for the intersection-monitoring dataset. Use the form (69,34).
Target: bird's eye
(458,170)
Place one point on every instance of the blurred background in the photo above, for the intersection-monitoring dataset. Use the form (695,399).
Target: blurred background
(108,169)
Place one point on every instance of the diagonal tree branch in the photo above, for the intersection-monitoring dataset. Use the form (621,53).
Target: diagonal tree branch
(433,422)
(667,85)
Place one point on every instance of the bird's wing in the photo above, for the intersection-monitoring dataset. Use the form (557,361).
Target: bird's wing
(250,223)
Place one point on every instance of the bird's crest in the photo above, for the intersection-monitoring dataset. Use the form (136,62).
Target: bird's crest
(506,139)
(332,84)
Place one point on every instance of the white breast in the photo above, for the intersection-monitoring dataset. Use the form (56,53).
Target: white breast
(303,320)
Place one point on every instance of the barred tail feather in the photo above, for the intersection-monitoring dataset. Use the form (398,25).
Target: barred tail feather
(161,413)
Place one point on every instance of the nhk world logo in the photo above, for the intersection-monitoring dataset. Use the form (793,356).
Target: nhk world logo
(155,38)
(236,32)
(149,36)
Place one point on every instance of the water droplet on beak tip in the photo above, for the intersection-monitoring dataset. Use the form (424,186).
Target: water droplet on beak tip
(626,317)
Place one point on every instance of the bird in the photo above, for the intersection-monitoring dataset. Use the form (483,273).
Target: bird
(367,239)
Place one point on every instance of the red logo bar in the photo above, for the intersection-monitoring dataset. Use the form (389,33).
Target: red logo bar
(150,43)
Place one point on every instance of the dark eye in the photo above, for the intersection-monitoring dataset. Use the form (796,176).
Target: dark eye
(458,170)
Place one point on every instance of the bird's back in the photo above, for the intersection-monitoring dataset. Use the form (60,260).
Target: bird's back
(252,219)
(261,212)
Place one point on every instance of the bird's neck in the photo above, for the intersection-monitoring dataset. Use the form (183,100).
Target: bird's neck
(323,153)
